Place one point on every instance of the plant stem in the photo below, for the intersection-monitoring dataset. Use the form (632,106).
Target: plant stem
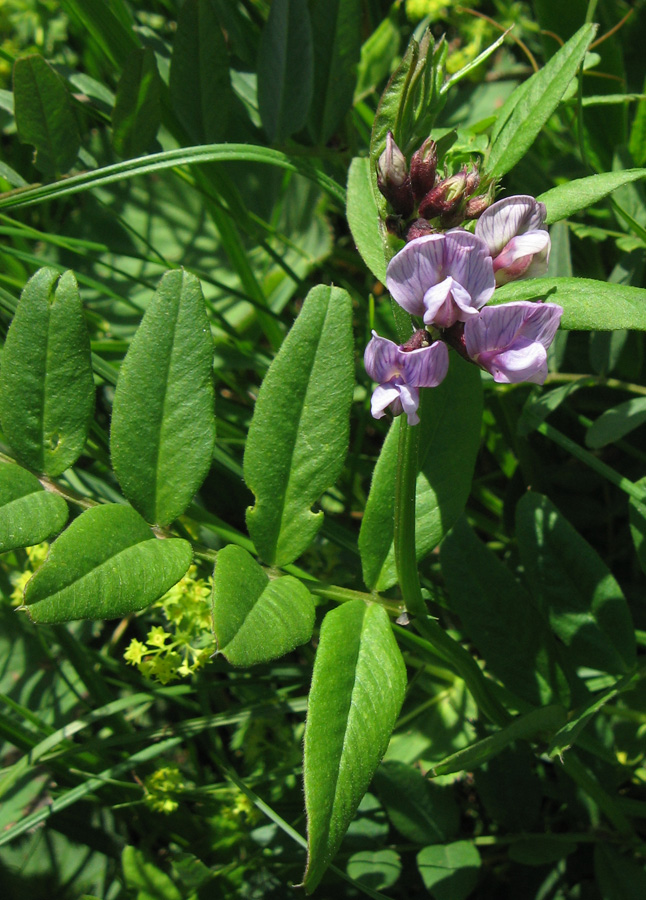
(459,659)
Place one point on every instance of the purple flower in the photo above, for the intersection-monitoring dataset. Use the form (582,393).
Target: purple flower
(401,372)
(510,341)
(513,231)
(444,278)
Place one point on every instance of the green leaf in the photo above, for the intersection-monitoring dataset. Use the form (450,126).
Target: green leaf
(616,422)
(363,218)
(421,811)
(637,517)
(143,876)
(157,162)
(588,305)
(530,106)
(534,725)
(618,876)
(540,849)
(108,563)
(46,383)
(499,616)
(357,690)
(256,620)
(28,514)
(44,115)
(378,869)
(574,588)
(336,25)
(569,198)
(163,424)
(137,110)
(298,436)
(200,85)
(285,67)
(566,736)
(378,53)
(110,26)
(450,437)
(449,871)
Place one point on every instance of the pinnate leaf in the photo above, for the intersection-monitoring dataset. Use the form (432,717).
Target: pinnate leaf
(357,690)
(28,513)
(298,436)
(163,421)
(255,619)
(108,563)
(46,383)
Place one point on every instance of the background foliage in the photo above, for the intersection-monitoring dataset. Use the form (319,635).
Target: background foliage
(174,181)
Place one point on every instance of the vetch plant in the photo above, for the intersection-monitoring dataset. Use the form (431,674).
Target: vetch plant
(391,597)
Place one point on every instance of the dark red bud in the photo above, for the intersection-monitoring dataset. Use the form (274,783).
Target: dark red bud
(472,181)
(420,338)
(419,228)
(393,179)
(423,166)
(444,197)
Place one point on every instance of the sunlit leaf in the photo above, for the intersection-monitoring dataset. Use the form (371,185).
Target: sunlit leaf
(28,514)
(357,690)
(108,563)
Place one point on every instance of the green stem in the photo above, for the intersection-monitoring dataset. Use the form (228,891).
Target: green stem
(459,659)
(405,484)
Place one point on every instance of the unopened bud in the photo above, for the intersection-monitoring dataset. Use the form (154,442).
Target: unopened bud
(393,179)
(455,216)
(472,182)
(477,205)
(444,197)
(423,166)
(421,338)
(419,228)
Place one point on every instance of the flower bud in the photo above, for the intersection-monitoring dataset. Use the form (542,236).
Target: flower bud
(444,197)
(421,338)
(472,180)
(418,228)
(393,179)
(423,166)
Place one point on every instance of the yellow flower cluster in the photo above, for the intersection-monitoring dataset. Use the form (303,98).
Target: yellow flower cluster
(188,644)
(36,556)
(161,788)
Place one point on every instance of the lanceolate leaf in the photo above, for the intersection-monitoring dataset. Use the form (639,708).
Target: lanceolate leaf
(588,305)
(298,436)
(200,86)
(569,198)
(336,26)
(574,587)
(108,563)
(357,690)
(529,108)
(163,421)
(137,110)
(28,514)
(256,620)
(285,69)
(44,115)
(46,383)
(449,441)
(363,218)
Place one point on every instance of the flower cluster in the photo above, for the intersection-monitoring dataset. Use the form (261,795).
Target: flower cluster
(167,655)
(446,279)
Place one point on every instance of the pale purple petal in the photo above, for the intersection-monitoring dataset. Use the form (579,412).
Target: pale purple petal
(426,367)
(442,277)
(382,397)
(381,358)
(409,399)
(526,256)
(507,218)
(525,361)
(416,268)
(510,341)
(468,260)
